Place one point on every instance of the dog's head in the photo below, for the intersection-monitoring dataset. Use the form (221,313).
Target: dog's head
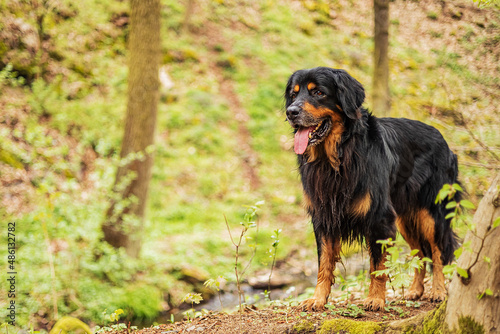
(318,100)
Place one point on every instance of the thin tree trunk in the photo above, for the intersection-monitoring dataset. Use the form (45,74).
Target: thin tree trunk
(123,227)
(381,98)
(484,273)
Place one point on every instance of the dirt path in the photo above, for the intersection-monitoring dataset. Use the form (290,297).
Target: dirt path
(249,158)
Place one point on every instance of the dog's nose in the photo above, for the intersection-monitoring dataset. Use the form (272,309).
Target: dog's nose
(292,112)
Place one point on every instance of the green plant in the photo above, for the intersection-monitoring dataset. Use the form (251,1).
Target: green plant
(352,310)
(247,223)
(10,78)
(398,267)
(448,192)
(193,298)
(113,317)
(402,313)
(432,15)
(274,245)
(346,286)
(215,284)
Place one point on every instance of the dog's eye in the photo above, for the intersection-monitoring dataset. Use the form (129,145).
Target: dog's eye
(319,93)
(293,96)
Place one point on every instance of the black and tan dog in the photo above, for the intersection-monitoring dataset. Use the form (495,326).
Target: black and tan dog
(364,176)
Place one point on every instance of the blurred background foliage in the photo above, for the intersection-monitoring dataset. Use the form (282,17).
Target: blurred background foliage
(63,84)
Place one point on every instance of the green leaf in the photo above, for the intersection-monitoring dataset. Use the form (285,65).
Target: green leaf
(448,269)
(442,194)
(487,259)
(467,204)
(451,205)
(450,215)
(496,223)
(462,272)
(414,252)
(457,187)
(193,298)
(458,252)
(488,292)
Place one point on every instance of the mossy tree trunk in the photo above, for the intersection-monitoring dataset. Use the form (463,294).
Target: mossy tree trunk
(381,98)
(483,264)
(124,220)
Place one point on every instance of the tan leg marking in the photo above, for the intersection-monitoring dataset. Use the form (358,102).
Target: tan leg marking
(417,288)
(329,256)
(376,296)
(426,224)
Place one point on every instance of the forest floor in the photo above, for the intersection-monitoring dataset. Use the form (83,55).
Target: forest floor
(289,317)
(286,319)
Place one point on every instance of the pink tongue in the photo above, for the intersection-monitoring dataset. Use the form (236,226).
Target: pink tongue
(301,139)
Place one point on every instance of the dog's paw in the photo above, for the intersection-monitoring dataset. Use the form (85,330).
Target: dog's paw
(414,294)
(374,304)
(437,295)
(313,304)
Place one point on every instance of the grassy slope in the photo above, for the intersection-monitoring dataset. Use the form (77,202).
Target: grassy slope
(437,66)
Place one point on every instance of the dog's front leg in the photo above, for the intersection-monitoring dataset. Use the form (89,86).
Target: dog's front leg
(328,255)
(376,295)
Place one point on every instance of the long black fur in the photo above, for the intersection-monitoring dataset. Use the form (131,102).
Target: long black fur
(402,163)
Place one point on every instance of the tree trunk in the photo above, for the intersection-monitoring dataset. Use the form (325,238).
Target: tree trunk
(125,216)
(463,301)
(381,98)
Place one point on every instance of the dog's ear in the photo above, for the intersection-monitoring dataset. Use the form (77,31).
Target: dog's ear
(350,93)
(288,88)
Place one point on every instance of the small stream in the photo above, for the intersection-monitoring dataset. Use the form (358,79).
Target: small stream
(293,282)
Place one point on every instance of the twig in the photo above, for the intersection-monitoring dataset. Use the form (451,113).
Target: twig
(464,125)
(477,164)
(227,225)
(237,246)
(270,275)
(212,325)
(473,136)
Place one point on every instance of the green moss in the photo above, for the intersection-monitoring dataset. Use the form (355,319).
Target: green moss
(70,325)
(434,322)
(304,327)
(10,159)
(469,325)
(349,326)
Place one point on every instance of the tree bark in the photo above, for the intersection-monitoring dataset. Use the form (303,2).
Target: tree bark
(463,294)
(381,98)
(125,216)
